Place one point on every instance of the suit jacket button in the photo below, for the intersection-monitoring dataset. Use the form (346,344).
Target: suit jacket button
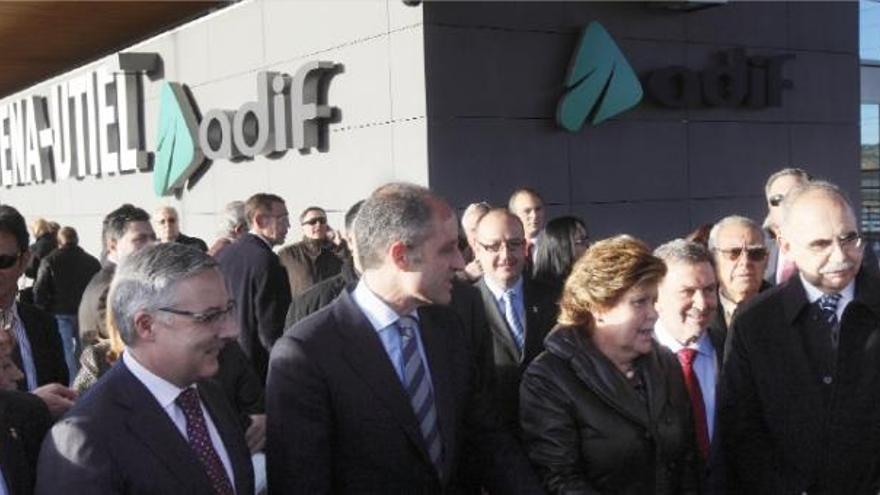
(827,381)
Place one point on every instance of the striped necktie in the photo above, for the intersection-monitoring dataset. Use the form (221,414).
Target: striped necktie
(828,310)
(418,387)
(516,329)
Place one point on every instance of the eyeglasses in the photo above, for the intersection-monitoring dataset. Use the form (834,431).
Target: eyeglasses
(510,244)
(315,220)
(209,317)
(7,260)
(756,254)
(850,241)
(581,241)
(776,200)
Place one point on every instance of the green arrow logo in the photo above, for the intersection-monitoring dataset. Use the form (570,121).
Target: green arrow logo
(600,82)
(178,154)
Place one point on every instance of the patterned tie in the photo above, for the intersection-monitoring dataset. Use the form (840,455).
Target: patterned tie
(513,322)
(418,387)
(686,357)
(828,310)
(200,441)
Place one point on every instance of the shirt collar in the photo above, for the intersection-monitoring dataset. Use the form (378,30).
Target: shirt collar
(379,314)
(814,294)
(703,345)
(164,391)
(498,292)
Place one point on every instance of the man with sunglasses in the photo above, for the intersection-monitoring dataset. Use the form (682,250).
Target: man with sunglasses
(779,269)
(737,246)
(315,257)
(155,423)
(797,403)
(520,311)
(167,223)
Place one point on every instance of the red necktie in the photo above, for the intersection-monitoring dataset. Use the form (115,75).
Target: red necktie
(686,358)
(200,441)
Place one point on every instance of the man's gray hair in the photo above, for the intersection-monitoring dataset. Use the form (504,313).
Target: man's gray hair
(792,198)
(233,216)
(800,173)
(394,212)
(684,251)
(146,281)
(734,220)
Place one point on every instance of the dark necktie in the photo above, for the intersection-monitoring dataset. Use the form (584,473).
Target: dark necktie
(686,357)
(418,387)
(200,441)
(828,310)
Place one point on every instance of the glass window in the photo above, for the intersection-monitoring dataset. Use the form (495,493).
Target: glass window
(869,29)
(870,127)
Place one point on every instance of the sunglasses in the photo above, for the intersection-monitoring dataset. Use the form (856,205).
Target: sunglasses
(753,253)
(776,200)
(7,260)
(316,220)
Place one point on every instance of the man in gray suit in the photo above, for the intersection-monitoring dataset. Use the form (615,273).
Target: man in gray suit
(154,423)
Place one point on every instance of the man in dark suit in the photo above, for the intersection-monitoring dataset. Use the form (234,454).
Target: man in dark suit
(738,249)
(256,279)
(125,230)
(797,409)
(519,310)
(155,423)
(24,421)
(376,393)
(32,334)
(777,187)
(167,225)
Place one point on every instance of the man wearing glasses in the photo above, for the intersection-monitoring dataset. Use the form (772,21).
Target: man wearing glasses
(155,423)
(315,257)
(520,311)
(737,245)
(797,405)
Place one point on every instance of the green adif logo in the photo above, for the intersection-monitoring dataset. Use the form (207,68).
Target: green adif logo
(178,154)
(600,82)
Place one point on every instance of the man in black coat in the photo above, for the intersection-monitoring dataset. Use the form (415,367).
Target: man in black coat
(377,392)
(256,279)
(59,288)
(518,329)
(797,409)
(167,224)
(154,423)
(24,421)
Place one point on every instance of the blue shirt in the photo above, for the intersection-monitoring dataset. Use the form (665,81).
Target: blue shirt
(383,320)
(516,297)
(705,367)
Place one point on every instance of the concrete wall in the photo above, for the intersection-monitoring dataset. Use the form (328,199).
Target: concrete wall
(495,72)
(381,136)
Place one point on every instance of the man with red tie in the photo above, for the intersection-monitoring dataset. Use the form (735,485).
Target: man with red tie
(686,303)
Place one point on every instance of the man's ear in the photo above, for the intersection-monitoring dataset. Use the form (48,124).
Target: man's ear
(143,326)
(784,245)
(400,255)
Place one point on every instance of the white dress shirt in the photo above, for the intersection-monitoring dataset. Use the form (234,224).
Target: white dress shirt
(24,346)
(166,393)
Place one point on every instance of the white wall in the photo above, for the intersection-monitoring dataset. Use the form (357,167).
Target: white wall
(381,93)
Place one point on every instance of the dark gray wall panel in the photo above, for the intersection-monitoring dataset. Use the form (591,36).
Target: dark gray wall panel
(826,88)
(824,26)
(651,221)
(733,158)
(708,211)
(486,159)
(760,24)
(828,151)
(629,161)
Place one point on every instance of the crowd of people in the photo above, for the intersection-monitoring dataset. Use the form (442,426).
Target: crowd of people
(418,351)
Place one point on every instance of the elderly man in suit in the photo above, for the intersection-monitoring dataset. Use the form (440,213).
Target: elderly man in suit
(376,393)
(154,423)
(256,279)
(797,409)
(520,311)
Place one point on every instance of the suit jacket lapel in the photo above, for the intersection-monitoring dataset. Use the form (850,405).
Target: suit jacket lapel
(149,422)
(535,321)
(364,352)
(497,322)
(231,435)
(437,353)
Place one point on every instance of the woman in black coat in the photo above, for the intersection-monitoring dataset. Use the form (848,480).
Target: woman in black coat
(604,409)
